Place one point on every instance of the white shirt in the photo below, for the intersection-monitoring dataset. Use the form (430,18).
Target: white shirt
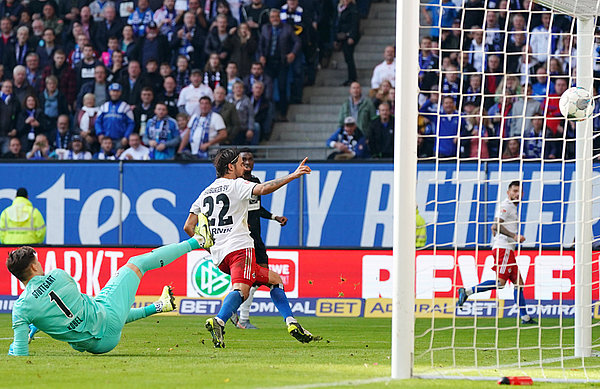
(195,125)
(190,98)
(508,212)
(140,153)
(64,154)
(476,55)
(540,43)
(225,204)
(384,71)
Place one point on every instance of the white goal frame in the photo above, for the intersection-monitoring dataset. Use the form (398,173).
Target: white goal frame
(405,167)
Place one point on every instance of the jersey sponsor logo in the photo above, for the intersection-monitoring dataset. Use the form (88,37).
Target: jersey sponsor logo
(204,278)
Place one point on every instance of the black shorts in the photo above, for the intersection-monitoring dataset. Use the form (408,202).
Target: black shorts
(261,256)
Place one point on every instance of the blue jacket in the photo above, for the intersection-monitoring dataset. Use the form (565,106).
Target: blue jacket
(356,143)
(447,132)
(163,131)
(115,120)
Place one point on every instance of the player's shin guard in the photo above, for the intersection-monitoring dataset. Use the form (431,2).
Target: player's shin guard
(231,303)
(162,256)
(245,307)
(520,300)
(140,313)
(281,302)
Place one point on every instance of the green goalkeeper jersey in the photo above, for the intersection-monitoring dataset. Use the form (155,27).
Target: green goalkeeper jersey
(53,304)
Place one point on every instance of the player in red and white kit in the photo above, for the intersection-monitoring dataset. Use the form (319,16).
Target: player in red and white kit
(505,231)
(225,204)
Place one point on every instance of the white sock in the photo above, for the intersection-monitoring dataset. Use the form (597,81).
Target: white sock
(469,291)
(526,317)
(290,319)
(245,307)
(221,322)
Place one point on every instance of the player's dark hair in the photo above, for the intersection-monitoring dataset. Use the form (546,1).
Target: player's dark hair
(222,160)
(245,150)
(514,183)
(19,260)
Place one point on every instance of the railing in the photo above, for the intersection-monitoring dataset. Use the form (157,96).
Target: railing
(291,153)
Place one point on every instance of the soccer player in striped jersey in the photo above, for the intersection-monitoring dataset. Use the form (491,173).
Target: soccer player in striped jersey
(225,203)
(505,231)
(52,302)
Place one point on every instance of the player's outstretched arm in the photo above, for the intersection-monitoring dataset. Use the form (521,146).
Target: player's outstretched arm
(20,345)
(271,186)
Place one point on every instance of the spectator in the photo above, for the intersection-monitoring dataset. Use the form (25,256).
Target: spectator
(523,109)
(248,132)
(132,84)
(11,9)
(15,55)
(162,135)
(98,87)
(232,76)
(190,40)
(214,75)
(182,119)
(67,83)
(47,47)
(385,70)
(106,153)
(278,48)
(256,15)
(300,22)
(215,39)
(115,119)
(31,121)
(110,48)
(151,46)
(34,73)
(37,26)
(427,126)
(381,94)
(534,140)
(224,9)
(169,96)
(257,74)
(540,41)
(359,107)
(9,111)
(52,102)
(191,94)
(84,70)
(451,84)
(128,41)
(477,49)
(428,64)
(263,110)
(348,142)
(493,78)
(108,26)
(22,223)
(51,20)
(447,129)
(86,119)
(541,86)
(75,151)
(62,135)
(21,87)
(97,8)
(182,73)
(431,15)
(515,48)
(513,150)
(554,119)
(166,18)
(76,52)
(474,93)
(15,150)
(40,149)
(381,133)
(206,129)
(140,18)
(241,47)
(475,136)
(347,35)
(136,151)
(143,111)
(227,111)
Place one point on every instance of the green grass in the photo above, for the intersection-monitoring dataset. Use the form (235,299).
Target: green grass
(177,352)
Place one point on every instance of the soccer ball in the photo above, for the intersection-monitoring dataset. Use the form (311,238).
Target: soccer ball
(576,104)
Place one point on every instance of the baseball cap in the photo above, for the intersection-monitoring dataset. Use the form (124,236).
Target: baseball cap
(349,120)
(114,86)
(76,138)
(152,25)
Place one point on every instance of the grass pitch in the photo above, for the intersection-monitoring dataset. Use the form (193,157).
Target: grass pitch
(172,351)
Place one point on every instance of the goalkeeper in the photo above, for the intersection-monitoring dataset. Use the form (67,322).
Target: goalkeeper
(52,302)
(505,238)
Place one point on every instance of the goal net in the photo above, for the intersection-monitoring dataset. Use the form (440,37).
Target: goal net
(491,73)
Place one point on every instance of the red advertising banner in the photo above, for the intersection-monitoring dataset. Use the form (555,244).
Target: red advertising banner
(548,274)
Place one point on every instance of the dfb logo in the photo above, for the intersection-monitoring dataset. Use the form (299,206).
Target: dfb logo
(204,278)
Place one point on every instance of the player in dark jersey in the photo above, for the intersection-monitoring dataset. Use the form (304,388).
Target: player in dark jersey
(255,212)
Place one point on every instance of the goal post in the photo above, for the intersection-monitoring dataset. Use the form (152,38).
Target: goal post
(405,174)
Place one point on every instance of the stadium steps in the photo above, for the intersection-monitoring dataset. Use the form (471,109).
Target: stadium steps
(312,122)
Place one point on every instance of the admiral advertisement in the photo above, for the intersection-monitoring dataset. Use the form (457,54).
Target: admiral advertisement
(148,203)
(332,283)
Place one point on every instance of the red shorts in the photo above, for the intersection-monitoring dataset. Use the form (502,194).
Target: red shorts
(505,265)
(242,267)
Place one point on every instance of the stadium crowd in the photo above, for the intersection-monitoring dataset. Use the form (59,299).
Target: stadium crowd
(491,75)
(145,79)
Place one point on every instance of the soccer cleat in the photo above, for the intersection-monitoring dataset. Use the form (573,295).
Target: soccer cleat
(32,331)
(216,331)
(166,302)
(530,322)
(462,297)
(301,335)
(202,232)
(246,325)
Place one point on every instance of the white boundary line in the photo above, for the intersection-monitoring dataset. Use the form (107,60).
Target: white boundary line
(338,383)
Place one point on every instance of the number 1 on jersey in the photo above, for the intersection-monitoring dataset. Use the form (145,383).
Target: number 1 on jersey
(54,297)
